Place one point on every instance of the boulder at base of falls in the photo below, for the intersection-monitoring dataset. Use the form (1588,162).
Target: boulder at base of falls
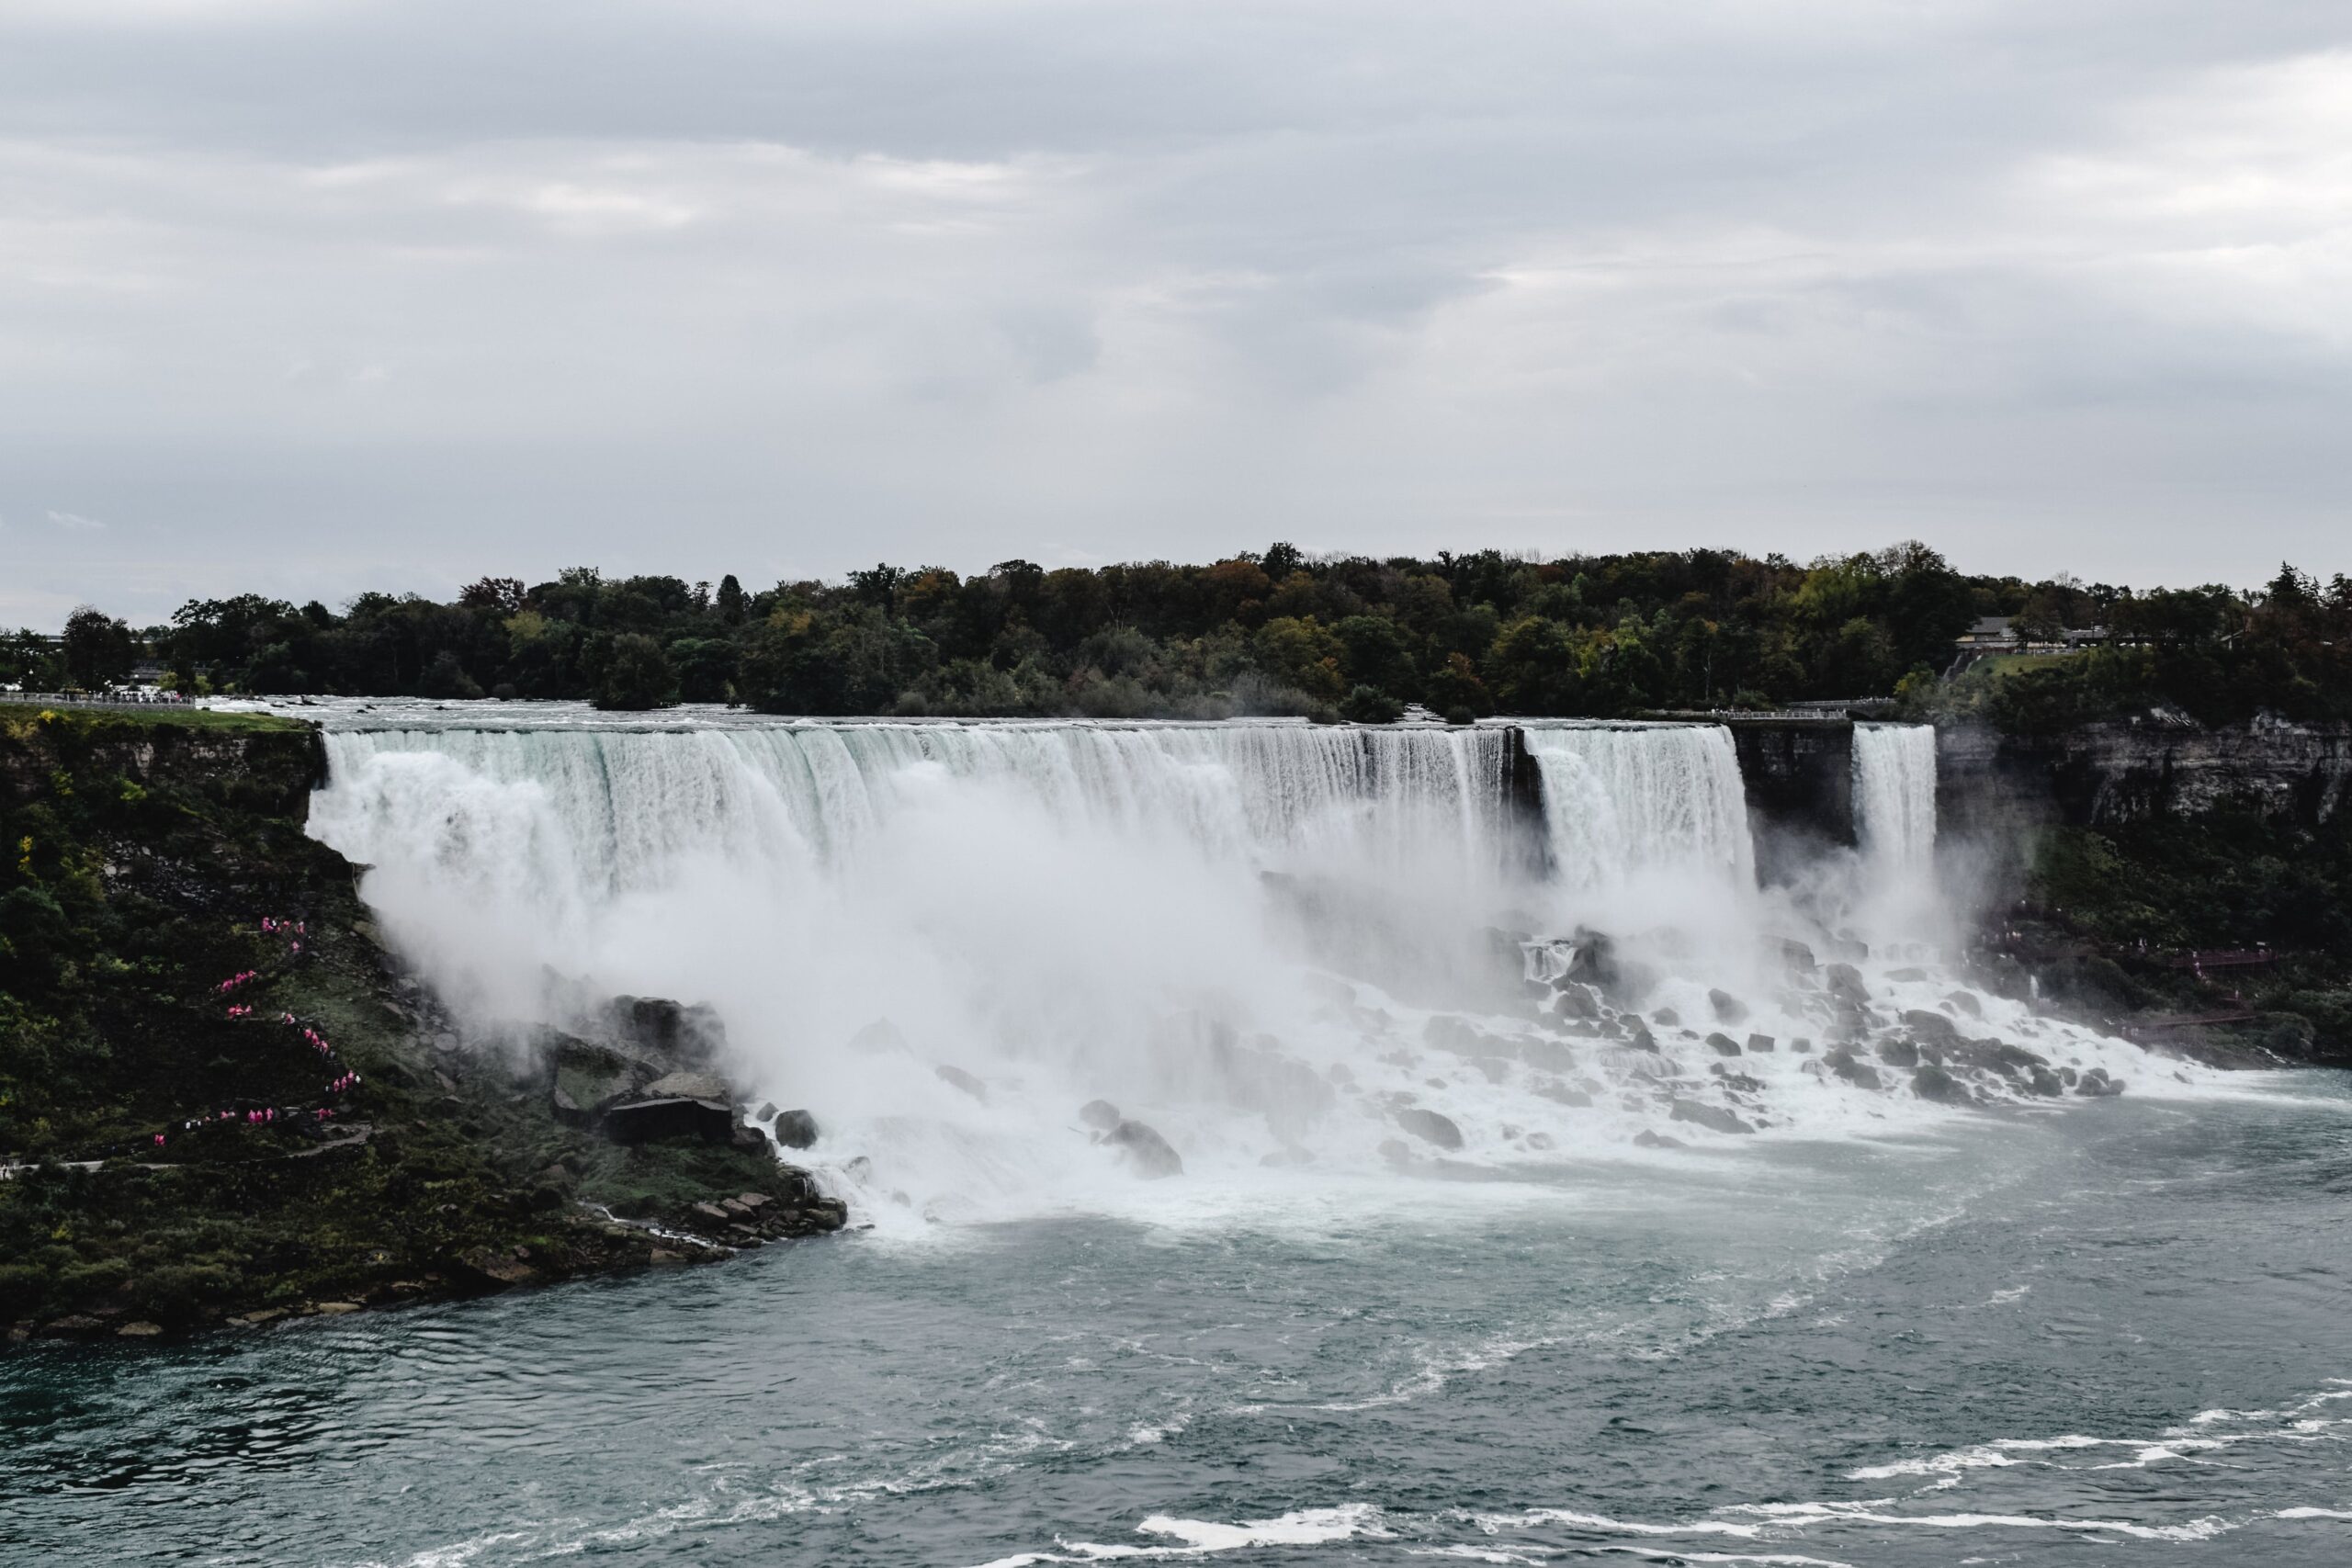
(1723,1044)
(1147,1153)
(1759,1043)
(767,1113)
(1563,1094)
(2044,1082)
(1574,1001)
(689,1085)
(1714,1117)
(1964,1001)
(1932,1082)
(1898,1054)
(2098,1085)
(1099,1114)
(1430,1127)
(693,1035)
(1845,980)
(962,1081)
(583,1079)
(1649,1140)
(1843,1063)
(796,1129)
(1728,1007)
(1931,1026)
(1666,1018)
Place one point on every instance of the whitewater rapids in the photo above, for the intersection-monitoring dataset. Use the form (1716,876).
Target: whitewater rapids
(1282,946)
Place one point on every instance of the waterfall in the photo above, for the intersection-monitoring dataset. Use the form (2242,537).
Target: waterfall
(1281,943)
(614,809)
(1623,800)
(1895,797)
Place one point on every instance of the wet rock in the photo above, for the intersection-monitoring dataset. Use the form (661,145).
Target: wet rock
(140,1330)
(584,1079)
(2066,1076)
(1899,1054)
(1793,953)
(1933,1083)
(795,1129)
(1728,1007)
(1801,1045)
(1281,1159)
(1932,1027)
(1846,1066)
(2044,1082)
(1592,960)
(1649,1140)
(1640,1038)
(963,1081)
(1147,1153)
(748,1138)
(1540,1141)
(1759,1043)
(1430,1127)
(767,1113)
(1099,1114)
(1574,1001)
(1666,1018)
(689,1085)
(1909,976)
(1723,1044)
(1845,980)
(2097,1085)
(1394,1151)
(1563,1094)
(1712,1117)
(1966,1002)
(1993,1057)
(692,1035)
(1738,1081)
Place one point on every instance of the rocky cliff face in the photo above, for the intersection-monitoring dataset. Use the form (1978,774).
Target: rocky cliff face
(2115,772)
(218,1094)
(1799,776)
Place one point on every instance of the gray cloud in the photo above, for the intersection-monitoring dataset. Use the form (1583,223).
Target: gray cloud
(312,298)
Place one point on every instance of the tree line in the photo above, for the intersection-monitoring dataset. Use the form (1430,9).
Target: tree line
(1274,632)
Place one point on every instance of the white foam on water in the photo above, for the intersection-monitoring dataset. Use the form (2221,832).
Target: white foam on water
(1202,1537)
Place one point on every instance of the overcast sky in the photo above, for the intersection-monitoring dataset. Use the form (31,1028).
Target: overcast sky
(311,298)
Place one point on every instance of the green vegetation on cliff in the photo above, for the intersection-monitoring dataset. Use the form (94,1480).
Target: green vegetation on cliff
(143,852)
(2135,897)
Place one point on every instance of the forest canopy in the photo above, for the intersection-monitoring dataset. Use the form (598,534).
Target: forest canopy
(1277,633)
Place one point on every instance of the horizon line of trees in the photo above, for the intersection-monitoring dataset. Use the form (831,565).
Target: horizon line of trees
(1273,633)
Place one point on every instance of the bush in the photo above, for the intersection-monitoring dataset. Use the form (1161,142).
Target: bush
(637,676)
(1369,705)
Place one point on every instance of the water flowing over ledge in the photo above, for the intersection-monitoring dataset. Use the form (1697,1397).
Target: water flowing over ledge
(1348,948)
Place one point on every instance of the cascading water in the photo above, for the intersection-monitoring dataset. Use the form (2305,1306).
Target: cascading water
(1894,795)
(1624,801)
(1280,944)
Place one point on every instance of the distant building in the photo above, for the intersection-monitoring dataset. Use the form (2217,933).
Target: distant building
(1991,634)
(2001,635)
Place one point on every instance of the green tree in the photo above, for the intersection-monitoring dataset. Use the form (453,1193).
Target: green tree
(637,675)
